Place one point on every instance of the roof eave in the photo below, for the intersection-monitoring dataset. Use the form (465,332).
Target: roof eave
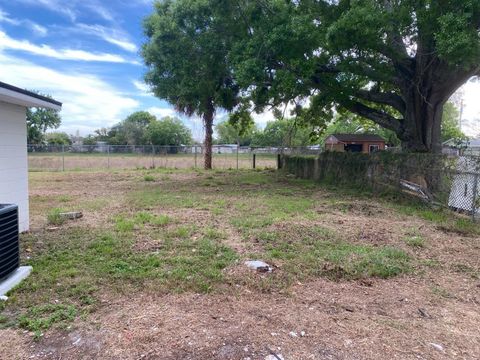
(17,96)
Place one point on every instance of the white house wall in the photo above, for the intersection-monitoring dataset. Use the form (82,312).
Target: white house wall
(13,160)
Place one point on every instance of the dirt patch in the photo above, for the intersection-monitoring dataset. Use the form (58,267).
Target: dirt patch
(319,320)
(14,344)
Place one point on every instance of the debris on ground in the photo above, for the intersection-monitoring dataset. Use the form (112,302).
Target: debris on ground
(259,265)
(72,215)
(437,346)
(274,356)
(415,190)
(424,313)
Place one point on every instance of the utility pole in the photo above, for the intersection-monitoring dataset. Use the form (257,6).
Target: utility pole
(461,114)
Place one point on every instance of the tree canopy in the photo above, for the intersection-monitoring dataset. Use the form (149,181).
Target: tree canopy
(228,133)
(143,128)
(168,131)
(58,138)
(283,132)
(278,132)
(39,120)
(395,63)
(186,56)
(132,130)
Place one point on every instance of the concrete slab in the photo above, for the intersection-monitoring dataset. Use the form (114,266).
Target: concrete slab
(14,279)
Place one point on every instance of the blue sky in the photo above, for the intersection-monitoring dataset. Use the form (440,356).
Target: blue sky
(85,53)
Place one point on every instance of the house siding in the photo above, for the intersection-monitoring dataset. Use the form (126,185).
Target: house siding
(13,160)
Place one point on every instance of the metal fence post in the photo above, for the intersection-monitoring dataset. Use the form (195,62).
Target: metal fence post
(153,156)
(195,156)
(63,157)
(237,154)
(474,197)
(254,160)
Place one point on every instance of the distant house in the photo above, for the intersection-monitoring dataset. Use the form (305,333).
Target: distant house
(13,146)
(473,147)
(364,143)
(224,149)
(468,147)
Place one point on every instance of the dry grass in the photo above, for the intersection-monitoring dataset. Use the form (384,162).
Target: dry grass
(363,278)
(57,162)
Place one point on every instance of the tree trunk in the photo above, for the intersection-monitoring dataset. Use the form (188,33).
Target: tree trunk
(208,123)
(421,130)
(424,94)
(425,89)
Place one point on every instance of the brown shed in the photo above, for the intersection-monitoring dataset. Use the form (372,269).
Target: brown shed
(365,143)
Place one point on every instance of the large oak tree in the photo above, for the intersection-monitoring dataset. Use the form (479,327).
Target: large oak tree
(395,62)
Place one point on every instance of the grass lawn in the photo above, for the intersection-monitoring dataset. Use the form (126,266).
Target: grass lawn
(155,269)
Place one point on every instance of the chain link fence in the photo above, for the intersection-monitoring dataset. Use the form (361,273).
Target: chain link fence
(465,186)
(103,156)
(451,181)
(446,181)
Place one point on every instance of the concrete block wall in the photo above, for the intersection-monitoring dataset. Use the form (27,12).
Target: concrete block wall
(13,160)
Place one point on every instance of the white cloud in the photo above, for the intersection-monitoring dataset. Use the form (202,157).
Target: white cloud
(5,17)
(88,101)
(37,29)
(141,86)
(161,112)
(113,36)
(262,118)
(7,42)
(72,8)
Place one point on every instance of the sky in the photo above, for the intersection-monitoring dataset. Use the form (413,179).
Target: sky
(85,53)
